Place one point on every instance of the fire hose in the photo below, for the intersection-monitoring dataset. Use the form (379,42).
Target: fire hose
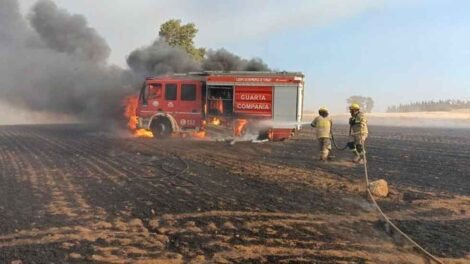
(390,223)
(377,207)
(349,145)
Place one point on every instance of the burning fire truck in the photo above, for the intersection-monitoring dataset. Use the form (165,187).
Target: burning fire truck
(239,104)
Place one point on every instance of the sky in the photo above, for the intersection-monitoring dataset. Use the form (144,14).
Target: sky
(394,51)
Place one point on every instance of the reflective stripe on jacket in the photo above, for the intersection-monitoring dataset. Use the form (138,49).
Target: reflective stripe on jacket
(323,126)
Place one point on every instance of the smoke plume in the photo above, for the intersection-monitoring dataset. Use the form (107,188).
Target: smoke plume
(160,58)
(52,61)
(68,33)
(58,65)
(222,60)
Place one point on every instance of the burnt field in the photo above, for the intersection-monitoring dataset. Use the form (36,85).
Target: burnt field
(74,194)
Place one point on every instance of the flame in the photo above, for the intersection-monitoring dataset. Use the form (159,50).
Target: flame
(216,121)
(199,135)
(143,133)
(239,127)
(130,113)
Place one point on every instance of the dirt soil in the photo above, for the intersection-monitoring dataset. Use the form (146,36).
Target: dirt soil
(75,194)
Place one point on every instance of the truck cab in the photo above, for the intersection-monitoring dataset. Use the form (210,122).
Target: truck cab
(168,105)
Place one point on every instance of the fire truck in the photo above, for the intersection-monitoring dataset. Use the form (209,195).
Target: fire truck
(266,105)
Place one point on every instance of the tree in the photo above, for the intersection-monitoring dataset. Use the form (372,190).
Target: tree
(366,103)
(178,35)
(369,104)
(431,106)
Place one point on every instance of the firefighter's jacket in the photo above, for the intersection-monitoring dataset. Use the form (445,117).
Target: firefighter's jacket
(358,124)
(322,126)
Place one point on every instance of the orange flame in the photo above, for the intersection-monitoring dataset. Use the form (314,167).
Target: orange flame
(130,113)
(239,127)
(199,135)
(216,121)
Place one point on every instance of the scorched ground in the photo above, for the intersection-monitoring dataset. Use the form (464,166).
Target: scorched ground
(78,195)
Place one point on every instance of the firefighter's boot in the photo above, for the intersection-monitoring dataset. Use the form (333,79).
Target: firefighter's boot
(331,156)
(360,154)
(357,157)
(324,155)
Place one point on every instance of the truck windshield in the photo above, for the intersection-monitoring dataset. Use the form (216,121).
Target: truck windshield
(150,91)
(155,91)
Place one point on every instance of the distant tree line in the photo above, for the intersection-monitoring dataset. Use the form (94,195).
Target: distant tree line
(366,103)
(430,106)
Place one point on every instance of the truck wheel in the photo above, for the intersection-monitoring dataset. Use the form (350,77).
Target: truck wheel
(161,128)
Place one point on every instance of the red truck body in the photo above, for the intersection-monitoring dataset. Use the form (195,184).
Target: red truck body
(265,104)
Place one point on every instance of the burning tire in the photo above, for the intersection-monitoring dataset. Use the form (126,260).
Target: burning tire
(161,128)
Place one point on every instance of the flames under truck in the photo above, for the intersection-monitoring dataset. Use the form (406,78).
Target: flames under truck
(260,104)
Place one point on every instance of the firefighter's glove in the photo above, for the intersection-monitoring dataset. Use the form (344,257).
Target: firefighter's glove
(352,122)
(351,145)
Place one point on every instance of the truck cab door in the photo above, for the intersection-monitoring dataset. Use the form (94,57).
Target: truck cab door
(190,104)
(149,99)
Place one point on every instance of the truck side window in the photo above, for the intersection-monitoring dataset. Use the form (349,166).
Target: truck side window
(188,92)
(154,91)
(170,91)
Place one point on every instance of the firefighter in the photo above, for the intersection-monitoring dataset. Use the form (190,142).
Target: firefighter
(358,131)
(323,124)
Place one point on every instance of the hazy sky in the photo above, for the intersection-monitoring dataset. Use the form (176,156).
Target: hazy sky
(395,51)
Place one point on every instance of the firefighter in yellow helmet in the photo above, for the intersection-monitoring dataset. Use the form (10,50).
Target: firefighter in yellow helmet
(322,125)
(359,131)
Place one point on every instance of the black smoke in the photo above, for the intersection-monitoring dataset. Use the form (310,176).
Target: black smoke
(160,58)
(52,61)
(67,33)
(223,60)
(58,64)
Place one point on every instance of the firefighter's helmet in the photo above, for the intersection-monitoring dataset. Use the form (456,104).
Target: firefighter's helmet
(323,109)
(355,107)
